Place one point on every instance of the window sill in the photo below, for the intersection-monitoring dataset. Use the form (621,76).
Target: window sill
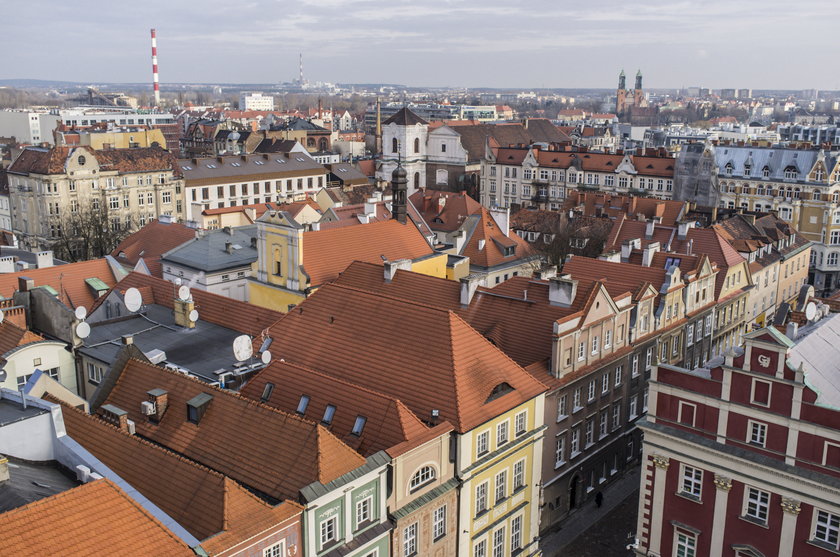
(561,418)
(577,409)
(574,455)
(689,496)
(824,545)
(482,513)
(754,521)
(560,464)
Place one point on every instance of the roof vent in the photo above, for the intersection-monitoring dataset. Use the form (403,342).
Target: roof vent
(197,406)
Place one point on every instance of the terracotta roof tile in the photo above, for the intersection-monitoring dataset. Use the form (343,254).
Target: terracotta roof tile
(327,252)
(491,251)
(453,369)
(12,336)
(389,421)
(267,450)
(598,203)
(443,210)
(150,242)
(68,280)
(52,526)
(206,503)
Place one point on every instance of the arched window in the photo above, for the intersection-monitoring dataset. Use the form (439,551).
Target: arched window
(796,193)
(728,169)
(765,171)
(395,145)
(421,477)
(416,180)
(760,189)
(82,160)
(310,142)
(416,144)
(322,144)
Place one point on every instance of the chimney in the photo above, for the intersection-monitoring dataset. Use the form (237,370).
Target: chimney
(546,273)
(370,207)
(4,469)
(228,247)
(683,228)
(127,340)
(628,246)
(7,264)
(502,217)
(160,399)
(315,226)
(792,331)
(469,284)
(648,253)
(562,290)
(25,284)
(714,214)
(44,259)
(391,268)
(182,310)
(649,228)
(115,416)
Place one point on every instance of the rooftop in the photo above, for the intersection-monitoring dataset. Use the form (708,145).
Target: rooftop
(150,242)
(217,250)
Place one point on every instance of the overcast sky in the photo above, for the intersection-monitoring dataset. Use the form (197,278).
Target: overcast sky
(786,44)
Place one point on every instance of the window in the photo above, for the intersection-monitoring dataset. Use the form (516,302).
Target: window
(827,529)
(363,510)
(635,367)
(410,540)
(608,338)
(685,413)
(358,425)
(95,372)
(575,448)
(329,529)
(648,358)
(618,370)
(502,433)
(581,351)
(480,549)
(757,505)
(757,433)
(480,498)
(501,485)
(304,402)
(685,545)
(276,550)
(689,335)
(602,424)
(591,393)
(499,542)
(605,383)
(422,477)
(482,442)
(595,341)
(518,475)
(760,392)
(561,407)
(515,534)
(329,413)
(590,432)
(167,197)
(114,202)
(692,481)
(577,400)
(633,407)
(520,423)
(267,390)
(439,523)
(616,415)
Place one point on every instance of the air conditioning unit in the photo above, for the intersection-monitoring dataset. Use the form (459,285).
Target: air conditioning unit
(131,427)
(148,408)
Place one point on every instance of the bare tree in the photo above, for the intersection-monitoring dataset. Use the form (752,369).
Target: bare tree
(88,230)
(558,236)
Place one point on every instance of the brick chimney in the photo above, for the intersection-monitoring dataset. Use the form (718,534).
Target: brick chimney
(160,399)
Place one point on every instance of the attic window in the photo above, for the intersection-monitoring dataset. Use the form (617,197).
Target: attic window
(358,425)
(281,161)
(187,167)
(211,166)
(235,164)
(329,414)
(267,390)
(304,402)
(510,250)
(609,163)
(649,166)
(82,160)
(499,390)
(300,159)
(259,162)
(197,406)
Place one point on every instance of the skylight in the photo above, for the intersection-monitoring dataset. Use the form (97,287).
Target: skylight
(329,413)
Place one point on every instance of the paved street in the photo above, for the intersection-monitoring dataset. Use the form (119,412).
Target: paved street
(599,532)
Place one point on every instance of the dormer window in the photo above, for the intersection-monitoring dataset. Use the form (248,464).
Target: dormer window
(499,390)
(765,171)
(197,407)
(510,250)
(747,169)
(728,169)
(82,160)
(790,172)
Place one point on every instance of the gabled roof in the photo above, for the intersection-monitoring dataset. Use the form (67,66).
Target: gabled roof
(219,310)
(389,422)
(451,367)
(327,252)
(201,500)
(12,336)
(269,451)
(486,243)
(404,117)
(68,280)
(617,277)
(150,242)
(600,203)
(443,210)
(85,521)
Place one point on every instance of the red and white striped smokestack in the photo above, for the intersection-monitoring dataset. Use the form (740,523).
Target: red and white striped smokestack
(155,69)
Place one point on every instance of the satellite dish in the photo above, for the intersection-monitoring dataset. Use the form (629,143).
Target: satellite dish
(83,330)
(81,313)
(133,299)
(178,281)
(242,348)
(810,311)
(184,293)
(194,316)
(265,357)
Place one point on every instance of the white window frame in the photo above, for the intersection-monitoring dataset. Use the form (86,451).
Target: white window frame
(685,544)
(481,497)
(499,542)
(769,392)
(439,523)
(502,433)
(275,550)
(520,423)
(410,534)
(559,451)
(826,529)
(756,504)
(683,404)
(482,443)
(757,433)
(515,533)
(325,536)
(691,482)
(618,371)
(500,487)
(605,382)
(364,510)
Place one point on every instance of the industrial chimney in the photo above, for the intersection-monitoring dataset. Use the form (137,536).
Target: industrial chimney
(155,83)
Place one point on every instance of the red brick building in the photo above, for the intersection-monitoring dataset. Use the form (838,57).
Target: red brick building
(740,459)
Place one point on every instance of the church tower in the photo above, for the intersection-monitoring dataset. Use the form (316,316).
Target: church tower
(638,92)
(621,94)
(399,185)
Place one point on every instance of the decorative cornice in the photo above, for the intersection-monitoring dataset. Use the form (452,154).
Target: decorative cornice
(722,482)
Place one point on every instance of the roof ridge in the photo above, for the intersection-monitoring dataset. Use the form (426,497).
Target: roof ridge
(387,296)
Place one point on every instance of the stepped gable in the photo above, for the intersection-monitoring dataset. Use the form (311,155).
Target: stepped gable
(389,422)
(84,521)
(270,452)
(339,331)
(206,503)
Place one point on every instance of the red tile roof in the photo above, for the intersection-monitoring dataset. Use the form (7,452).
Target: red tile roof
(97,518)
(486,245)
(617,277)
(444,210)
(453,368)
(219,310)
(592,203)
(328,252)
(36,160)
(68,280)
(389,421)
(150,242)
(228,512)
(12,336)
(267,450)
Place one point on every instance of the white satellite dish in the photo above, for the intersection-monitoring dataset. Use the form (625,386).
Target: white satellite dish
(81,313)
(194,316)
(133,299)
(178,281)
(82,330)
(265,357)
(810,311)
(242,348)
(184,293)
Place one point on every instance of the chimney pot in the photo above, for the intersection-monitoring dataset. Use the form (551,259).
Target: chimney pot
(127,340)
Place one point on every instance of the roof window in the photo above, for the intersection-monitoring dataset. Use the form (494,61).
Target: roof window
(211,166)
(301,407)
(358,425)
(329,414)
(267,390)
(499,390)
(258,162)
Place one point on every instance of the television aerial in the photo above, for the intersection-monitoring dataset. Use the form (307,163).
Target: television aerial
(133,300)
(242,348)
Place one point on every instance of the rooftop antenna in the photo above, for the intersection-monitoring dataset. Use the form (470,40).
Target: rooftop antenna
(155,83)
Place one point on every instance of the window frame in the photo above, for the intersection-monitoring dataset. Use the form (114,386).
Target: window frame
(691,482)
(756,506)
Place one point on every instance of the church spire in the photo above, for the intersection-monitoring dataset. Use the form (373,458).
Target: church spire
(639,79)
(399,187)
(622,80)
